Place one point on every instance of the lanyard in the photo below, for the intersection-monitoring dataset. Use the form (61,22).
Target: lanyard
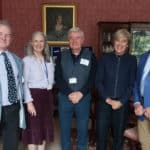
(46,70)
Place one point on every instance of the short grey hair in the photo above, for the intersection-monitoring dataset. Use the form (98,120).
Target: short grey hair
(76,29)
(122,33)
(6,23)
(29,49)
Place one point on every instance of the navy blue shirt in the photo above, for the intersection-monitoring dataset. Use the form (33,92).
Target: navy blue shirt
(115,76)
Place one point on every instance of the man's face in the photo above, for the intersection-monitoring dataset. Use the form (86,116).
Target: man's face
(5,37)
(75,40)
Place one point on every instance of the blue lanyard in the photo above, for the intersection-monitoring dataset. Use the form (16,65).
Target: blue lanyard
(46,70)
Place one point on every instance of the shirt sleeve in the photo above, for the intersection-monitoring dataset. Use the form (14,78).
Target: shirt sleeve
(136,90)
(26,73)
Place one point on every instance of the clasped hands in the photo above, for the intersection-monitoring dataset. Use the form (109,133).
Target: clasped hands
(140,110)
(75,97)
(115,104)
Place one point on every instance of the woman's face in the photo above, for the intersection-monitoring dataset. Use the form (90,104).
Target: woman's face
(38,43)
(120,45)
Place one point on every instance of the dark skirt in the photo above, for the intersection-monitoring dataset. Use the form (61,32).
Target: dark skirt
(40,127)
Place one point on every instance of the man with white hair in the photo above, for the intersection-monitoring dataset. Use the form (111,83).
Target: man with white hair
(74,78)
(11,92)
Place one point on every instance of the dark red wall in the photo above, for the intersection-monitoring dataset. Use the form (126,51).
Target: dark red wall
(0,9)
(26,16)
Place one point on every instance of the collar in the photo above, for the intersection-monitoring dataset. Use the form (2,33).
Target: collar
(77,55)
(1,51)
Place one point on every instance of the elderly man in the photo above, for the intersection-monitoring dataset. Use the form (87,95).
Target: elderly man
(10,90)
(74,79)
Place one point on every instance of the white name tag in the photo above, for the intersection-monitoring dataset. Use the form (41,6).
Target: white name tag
(72,80)
(84,61)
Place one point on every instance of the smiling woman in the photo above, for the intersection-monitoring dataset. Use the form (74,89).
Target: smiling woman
(38,71)
(115,78)
(120,41)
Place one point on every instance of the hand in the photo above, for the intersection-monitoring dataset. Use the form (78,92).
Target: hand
(115,104)
(138,109)
(109,101)
(75,97)
(147,113)
(31,109)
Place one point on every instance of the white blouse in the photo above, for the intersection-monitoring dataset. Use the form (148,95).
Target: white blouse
(37,75)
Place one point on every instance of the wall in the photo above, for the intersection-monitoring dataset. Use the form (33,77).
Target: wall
(26,16)
(0,9)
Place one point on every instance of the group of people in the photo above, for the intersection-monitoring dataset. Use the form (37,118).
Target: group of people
(26,91)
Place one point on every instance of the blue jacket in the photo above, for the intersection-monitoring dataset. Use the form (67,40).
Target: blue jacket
(137,95)
(22,123)
(115,76)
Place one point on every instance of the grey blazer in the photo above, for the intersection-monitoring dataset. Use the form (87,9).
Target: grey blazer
(22,123)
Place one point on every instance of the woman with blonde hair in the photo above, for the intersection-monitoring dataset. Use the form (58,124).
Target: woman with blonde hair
(115,78)
(38,70)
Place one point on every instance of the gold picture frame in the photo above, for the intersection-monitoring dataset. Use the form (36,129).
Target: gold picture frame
(57,19)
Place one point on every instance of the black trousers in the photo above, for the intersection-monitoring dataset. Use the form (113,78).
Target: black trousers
(9,126)
(108,120)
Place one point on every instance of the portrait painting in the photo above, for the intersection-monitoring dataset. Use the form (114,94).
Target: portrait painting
(57,20)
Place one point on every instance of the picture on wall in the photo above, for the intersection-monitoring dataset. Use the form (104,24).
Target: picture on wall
(57,20)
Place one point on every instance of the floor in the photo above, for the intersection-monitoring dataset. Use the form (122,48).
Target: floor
(56,144)
(52,146)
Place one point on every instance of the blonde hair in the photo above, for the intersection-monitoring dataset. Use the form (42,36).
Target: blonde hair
(76,29)
(46,53)
(122,33)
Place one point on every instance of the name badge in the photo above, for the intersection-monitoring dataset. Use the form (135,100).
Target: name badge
(72,80)
(84,61)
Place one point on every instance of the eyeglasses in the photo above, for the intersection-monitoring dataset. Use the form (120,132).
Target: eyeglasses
(7,36)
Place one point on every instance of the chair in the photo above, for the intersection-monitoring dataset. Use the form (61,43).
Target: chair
(131,134)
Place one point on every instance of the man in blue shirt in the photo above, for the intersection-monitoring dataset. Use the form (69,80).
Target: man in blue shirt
(142,100)
(10,90)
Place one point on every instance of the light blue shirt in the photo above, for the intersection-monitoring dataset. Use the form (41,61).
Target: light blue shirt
(3,77)
(145,73)
(37,75)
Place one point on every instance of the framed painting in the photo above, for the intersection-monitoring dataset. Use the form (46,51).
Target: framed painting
(57,20)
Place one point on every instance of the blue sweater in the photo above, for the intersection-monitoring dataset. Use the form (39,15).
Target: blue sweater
(115,76)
